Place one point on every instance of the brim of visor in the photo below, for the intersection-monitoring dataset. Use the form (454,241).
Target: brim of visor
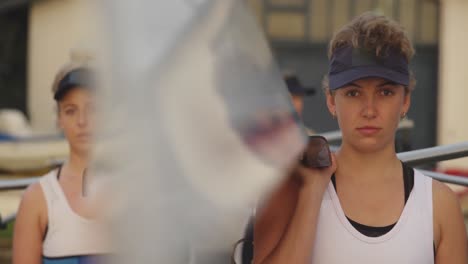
(340,79)
(302,91)
(66,88)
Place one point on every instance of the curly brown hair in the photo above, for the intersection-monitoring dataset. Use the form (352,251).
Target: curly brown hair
(375,33)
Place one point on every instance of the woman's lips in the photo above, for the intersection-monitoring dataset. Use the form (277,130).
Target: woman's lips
(368,130)
(84,136)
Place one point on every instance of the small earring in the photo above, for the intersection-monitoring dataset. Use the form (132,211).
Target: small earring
(403,115)
(333,115)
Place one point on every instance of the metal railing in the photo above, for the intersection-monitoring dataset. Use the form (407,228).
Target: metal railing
(459,180)
(434,154)
(17,184)
(412,158)
(6,185)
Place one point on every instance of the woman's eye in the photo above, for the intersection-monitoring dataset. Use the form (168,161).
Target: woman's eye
(352,93)
(69,111)
(386,92)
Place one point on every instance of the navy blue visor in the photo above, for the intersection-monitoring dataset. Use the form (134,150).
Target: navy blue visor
(296,88)
(348,64)
(81,77)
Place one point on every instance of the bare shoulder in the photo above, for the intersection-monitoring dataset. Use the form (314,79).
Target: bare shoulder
(279,206)
(273,217)
(33,203)
(30,226)
(444,198)
(449,228)
(445,203)
(33,194)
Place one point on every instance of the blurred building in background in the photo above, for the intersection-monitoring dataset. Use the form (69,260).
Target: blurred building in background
(299,31)
(35,42)
(36,38)
(13,56)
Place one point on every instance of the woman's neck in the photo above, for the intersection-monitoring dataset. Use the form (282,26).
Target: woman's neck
(364,166)
(77,163)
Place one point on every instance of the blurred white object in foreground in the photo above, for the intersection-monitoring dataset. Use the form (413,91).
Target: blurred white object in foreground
(14,123)
(197,125)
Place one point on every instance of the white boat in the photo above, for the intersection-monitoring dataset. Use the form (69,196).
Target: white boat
(21,150)
(32,153)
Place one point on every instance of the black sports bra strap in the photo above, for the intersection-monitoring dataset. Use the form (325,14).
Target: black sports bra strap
(59,171)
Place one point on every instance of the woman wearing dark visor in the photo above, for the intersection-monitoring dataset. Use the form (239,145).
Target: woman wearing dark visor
(54,224)
(368,207)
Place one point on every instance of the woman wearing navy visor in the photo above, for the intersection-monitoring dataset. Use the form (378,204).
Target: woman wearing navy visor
(368,207)
(297,91)
(54,224)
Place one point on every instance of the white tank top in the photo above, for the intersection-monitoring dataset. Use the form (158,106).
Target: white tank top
(68,234)
(410,241)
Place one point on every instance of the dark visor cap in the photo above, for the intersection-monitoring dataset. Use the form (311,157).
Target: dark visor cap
(296,88)
(348,64)
(81,77)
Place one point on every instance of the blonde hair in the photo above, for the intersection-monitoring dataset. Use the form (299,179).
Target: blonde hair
(375,33)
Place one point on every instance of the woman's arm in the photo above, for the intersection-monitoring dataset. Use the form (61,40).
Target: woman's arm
(450,233)
(30,223)
(284,230)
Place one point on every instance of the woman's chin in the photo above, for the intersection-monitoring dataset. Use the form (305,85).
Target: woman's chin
(369,145)
(82,148)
